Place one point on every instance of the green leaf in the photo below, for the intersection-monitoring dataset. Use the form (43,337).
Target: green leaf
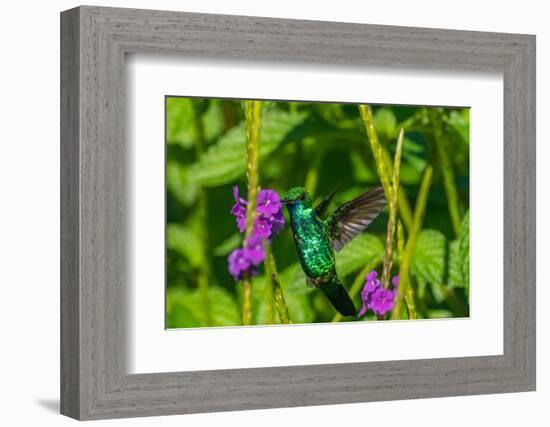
(459,121)
(180,129)
(428,260)
(186,242)
(224,161)
(464,251)
(294,279)
(439,314)
(224,311)
(362,250)
(185,308)
(385,123)
(182,309)
(232,242)
(361,171)
(299,308)
(212,120)
(459,257)
(456,278)
(296,292)
(180,183)
(296,297)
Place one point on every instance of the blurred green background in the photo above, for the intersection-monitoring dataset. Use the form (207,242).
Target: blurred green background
(319,146)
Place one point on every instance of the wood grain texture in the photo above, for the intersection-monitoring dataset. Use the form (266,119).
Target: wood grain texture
(94,382)
(70,291)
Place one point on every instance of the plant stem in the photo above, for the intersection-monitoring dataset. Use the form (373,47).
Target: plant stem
(359,282)
(446,169)
(382,160)
(268,292)
(273,277)
(252,116)
(404,268)
(405,210)
(202,212)
(409,297)
(377,150)
(392,207)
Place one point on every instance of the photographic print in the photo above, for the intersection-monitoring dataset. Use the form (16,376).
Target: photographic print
(285,212)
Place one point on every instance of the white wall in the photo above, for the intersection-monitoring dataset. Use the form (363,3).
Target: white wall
(29,225)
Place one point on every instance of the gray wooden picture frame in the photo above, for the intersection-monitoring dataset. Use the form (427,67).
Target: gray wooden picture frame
(94,41)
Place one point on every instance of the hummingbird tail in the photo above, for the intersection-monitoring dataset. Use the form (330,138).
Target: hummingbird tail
(339,298)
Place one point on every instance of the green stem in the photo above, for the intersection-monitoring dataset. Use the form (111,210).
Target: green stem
(382,168)
(252,115)
(446,169)
(409,297)
(202,212)
(273,277)
(383,163)
(359,282)
(268,292)
(405,210)
(392,207)
(404,268)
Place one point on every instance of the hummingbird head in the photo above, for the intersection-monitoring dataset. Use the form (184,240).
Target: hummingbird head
(296,195)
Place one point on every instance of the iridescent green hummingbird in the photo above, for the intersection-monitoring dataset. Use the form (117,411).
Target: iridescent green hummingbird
(317,237)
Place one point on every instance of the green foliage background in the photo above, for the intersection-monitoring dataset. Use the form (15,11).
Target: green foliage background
(319,146)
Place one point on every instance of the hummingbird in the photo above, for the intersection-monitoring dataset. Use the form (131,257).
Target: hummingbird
(318,236)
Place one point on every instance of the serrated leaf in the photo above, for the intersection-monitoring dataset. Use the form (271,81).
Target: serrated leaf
(362,250)
(224,161)
(186,309)
(464,251)
(428,260)
(186,242)
(455,277)
(459,257)
(223,308)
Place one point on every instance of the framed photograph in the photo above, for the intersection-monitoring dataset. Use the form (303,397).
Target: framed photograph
(262,213)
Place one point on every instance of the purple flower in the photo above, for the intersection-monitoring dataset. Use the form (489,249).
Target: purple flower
(268,203)
(247,258)
(382,301)
(371,276)
(262,228)
(395,281)
(238,263)
(375,297)
(269,220)
(239,209)
(254,250)
(277,221)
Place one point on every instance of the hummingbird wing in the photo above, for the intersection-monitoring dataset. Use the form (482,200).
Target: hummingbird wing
(354,216)
(321,208)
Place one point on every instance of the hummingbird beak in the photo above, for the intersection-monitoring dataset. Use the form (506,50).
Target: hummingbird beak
(285,202)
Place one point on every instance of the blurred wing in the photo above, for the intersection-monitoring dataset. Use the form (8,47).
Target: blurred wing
(353,217)
(321,208)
